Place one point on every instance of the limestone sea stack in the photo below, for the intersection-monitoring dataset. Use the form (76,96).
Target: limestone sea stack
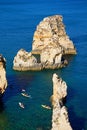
(3,80)
(51,31)
(60,119)
(50,44)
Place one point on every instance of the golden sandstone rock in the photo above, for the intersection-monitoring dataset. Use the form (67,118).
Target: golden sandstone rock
(51,30)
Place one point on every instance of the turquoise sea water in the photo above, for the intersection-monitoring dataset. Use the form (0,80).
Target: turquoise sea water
(18,21)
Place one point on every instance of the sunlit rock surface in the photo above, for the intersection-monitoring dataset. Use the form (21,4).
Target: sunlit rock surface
(51,31)
(25,61)
(51,57)
(60,119)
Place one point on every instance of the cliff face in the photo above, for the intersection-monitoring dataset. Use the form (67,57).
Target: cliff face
(51,31)
(60,120)
(3,81)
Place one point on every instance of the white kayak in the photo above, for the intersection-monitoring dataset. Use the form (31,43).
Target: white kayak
(21,105)
(45,106)
(25,95)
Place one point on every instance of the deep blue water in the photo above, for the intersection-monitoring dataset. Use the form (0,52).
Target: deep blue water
(18,21)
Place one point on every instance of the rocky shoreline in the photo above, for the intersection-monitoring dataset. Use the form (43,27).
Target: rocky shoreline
(50,42)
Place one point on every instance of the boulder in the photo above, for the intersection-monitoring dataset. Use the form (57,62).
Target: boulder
(51,30)
(3,80)
(60,119)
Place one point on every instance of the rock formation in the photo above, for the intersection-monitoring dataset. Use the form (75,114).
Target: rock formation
(25,61)
(51,31)
(3,81)
(60,120)
(51,58)
(51,42)
(51,55)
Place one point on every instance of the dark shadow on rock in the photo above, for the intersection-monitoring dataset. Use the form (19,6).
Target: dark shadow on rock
(69,58)
(64,100)
(76,122)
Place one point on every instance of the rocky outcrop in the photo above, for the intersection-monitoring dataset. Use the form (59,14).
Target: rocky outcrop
(25,61)
(51,42)
(51,31)
(50,58)
(60,120)
(51,55)
(3,80)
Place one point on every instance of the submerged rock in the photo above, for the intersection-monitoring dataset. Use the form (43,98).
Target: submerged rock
(51,31)
(3,80)
(60,119)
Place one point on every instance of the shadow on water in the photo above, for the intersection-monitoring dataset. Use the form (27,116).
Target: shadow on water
(1,104)
(77,123)
(80,38)
(71,94)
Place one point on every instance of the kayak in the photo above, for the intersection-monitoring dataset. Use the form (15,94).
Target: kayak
(25,94)
(45,106)
(21,105)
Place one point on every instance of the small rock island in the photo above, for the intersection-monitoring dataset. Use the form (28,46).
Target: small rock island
(3,80)
(50,44)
